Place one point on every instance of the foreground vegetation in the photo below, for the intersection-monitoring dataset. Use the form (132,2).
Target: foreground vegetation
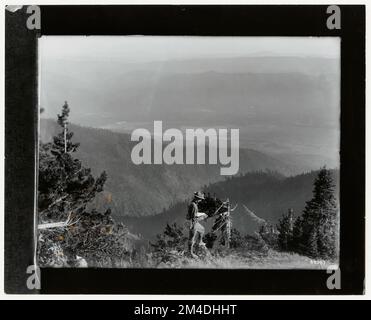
(236,259)
(259,251)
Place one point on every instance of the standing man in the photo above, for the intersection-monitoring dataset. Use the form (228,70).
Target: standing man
(196,230)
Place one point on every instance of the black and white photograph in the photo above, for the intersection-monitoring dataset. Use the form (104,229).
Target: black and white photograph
(185,151)
(188,152)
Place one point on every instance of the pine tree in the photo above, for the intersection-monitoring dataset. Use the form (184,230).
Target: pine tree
(65,188)
(319,222)
(65,185)
(312,246)
(297,236)
(285,228)
(62,141)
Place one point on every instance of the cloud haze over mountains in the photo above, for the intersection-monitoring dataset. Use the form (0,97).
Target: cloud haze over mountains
(282,93)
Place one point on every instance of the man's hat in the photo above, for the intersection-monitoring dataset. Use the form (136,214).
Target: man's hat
(199,195)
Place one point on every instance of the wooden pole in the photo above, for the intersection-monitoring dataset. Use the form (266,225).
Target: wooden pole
(228,228)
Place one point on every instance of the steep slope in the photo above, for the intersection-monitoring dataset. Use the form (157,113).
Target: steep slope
(142,190)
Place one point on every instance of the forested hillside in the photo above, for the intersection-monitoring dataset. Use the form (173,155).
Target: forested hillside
(144,190)
(267,194)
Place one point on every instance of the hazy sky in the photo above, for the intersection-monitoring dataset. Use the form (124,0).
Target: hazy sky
(136,49)
(283,93)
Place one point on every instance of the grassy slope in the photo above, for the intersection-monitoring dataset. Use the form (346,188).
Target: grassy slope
(249,260)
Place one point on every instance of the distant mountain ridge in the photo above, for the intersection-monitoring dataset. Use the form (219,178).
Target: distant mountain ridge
(145,190)
(159,87)
(267,195)
(286,106)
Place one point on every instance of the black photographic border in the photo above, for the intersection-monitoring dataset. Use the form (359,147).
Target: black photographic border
(21,117)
